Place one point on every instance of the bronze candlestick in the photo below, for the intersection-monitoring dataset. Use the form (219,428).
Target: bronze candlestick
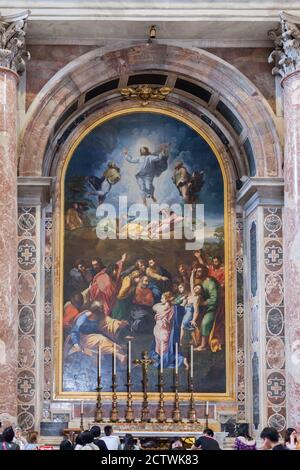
(99,416)
(161,416)
(129,417)
(114,405)
(145,363)
(192,412)
(176,412)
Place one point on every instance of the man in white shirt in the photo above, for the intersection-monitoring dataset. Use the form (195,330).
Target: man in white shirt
(112,442)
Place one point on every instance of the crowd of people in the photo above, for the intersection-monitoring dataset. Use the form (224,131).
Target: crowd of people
(13,439)
(110,304)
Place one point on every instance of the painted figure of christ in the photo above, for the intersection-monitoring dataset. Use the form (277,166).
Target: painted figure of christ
(149,166)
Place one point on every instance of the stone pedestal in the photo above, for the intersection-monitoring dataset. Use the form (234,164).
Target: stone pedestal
(8,245)
(291,227)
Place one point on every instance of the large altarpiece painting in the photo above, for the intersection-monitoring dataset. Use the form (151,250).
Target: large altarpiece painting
(128,277)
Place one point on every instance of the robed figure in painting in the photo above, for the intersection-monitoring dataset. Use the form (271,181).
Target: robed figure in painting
(150,165)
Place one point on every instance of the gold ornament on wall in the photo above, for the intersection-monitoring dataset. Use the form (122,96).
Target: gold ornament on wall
(145,93)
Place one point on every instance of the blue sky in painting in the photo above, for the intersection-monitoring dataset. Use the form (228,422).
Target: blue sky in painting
(106,143)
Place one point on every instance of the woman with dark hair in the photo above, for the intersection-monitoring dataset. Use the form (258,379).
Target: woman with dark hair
(78,442)
(66,445)
(7,440)
(87,440)
(129,443)
(290,439)
(244,442)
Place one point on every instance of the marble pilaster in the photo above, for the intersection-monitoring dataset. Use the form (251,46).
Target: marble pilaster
(11,63)
(287,64)
(291,93)
(262,199)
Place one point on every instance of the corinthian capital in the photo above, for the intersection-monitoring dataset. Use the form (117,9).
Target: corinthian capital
(12,41)
(286,55)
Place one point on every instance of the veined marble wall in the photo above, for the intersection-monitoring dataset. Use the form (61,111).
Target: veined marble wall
(240,320)
(274,318)
(48,312)
(28,305)
(266,387)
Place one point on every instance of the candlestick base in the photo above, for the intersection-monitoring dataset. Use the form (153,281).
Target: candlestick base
(176,415)
(192,416)
(161,416)
(129,416)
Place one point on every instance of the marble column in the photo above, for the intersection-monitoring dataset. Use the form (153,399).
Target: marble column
(287,64)
(11,64)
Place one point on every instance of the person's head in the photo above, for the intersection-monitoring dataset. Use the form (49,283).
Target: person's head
(75,205)
(77,300)
(208,432)
(178,165)
(112,173)
(140,265)
(18,432)
(8,434)
(201,271)
(108,430)
(144,281)
(81,265)
(97,264)
(182,269)
(290,434)
(128,442)
(144,151)
(152,262)
(66,445)
(176,443)
(86,437)
(166,297)
(78,440)
(147,443)
(216,261)
(181,288)
(112,270)
(246,435)
(97,309)
(33,437)
(175,285)
(270,436)
(197,290)
(96,431)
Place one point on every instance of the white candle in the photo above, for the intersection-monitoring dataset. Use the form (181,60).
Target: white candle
(161,358)
(81,409)
(99,361)
(115,359)
(192,361)
(129,357)
(176,358)
(206,409)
